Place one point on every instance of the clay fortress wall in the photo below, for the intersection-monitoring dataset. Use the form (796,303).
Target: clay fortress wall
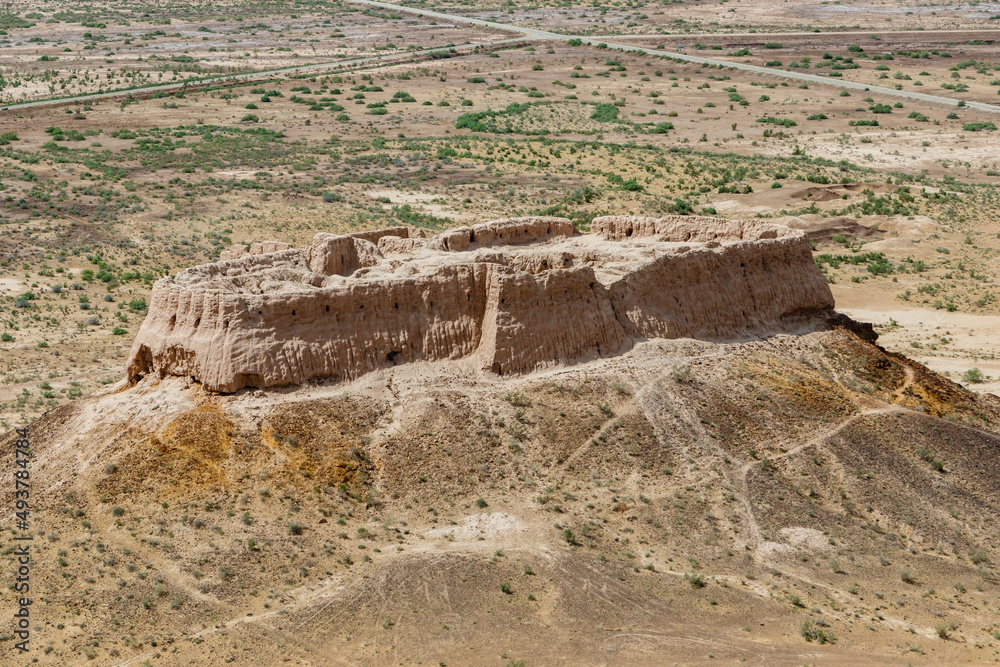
(511,295)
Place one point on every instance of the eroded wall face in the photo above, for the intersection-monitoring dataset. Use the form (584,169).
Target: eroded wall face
(287,316)
(535,320)
(706,294)
(339,332)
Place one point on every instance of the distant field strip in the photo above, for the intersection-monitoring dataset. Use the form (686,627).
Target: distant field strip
(533,33)
(530,34)
(334,66)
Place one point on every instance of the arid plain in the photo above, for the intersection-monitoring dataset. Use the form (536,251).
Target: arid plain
(779,498)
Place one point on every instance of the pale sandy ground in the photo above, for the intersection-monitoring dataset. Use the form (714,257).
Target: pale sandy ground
(973,337)
(420,201)
(12,287)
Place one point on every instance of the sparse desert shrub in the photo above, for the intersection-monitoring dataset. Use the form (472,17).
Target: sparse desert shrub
(944,630)
(974,375)
(978,556)
(811,631)
(518,400)
(784,122)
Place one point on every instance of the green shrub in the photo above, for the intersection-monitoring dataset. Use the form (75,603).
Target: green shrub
(977,127)
(783,122)
(974,375)
(605,113)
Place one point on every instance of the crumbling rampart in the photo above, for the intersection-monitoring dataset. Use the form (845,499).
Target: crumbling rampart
(513,295)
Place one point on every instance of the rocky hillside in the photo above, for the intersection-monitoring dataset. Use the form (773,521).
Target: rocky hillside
(794,499)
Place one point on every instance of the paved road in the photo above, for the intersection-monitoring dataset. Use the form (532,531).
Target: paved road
(533,33)
(528,34)
(908,35)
